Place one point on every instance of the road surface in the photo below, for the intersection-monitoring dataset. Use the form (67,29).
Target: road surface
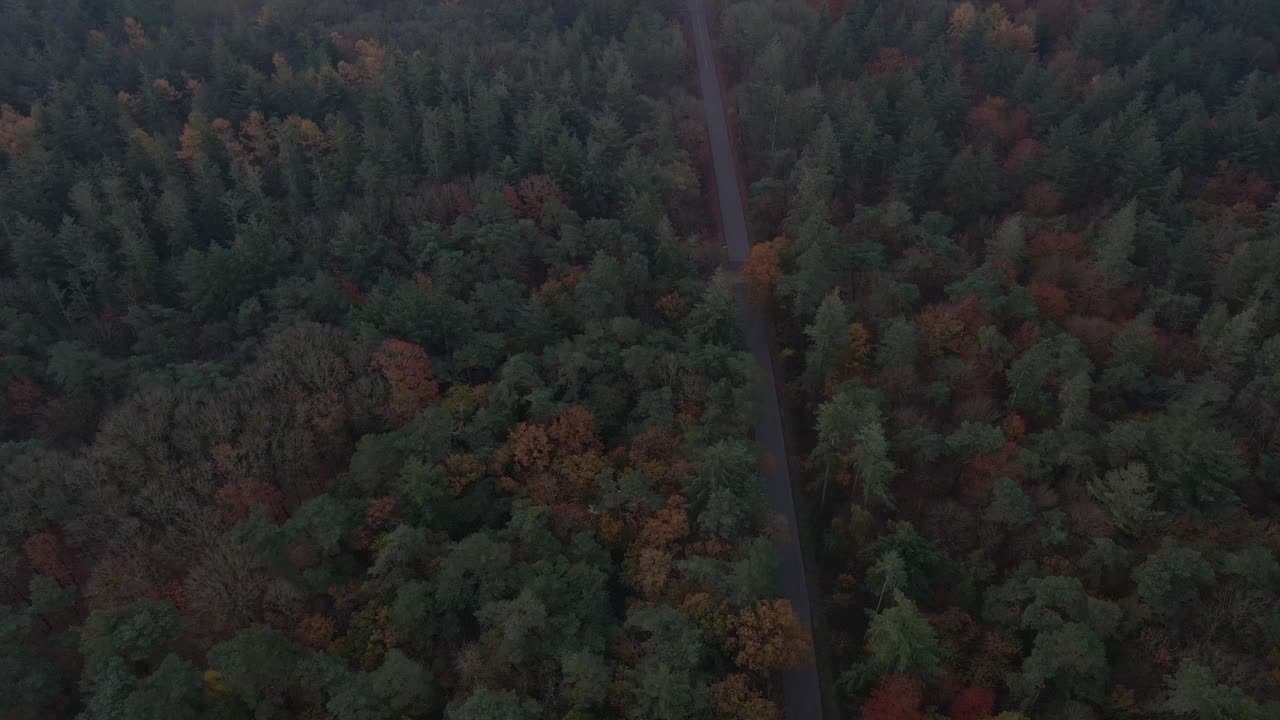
(802,696)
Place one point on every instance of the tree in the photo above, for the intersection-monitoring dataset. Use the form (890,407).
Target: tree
(851,444)
(889,573)
(1010,505)
(900,641)
(828,341)
(897,697)
(769,638)
(1070,657)
(410,385)
(175,689)
(1126,493)
(29,665)
(529,197)
(45,553)
(1195,693)
(973,703)
(667,682)
(256,666)
(484,704)
(972,182)
(400,687)
(899,345)
(1171,578)
(763,268)
(584,679)
(137,634)
(926,562)
(1115,247)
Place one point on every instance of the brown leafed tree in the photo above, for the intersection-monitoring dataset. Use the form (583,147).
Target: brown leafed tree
(316,631)
(46,555)
(574,432)
(768,638)
(530,446)
(736,699)
(410,386)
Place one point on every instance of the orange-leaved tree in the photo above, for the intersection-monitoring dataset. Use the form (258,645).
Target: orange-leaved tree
(769,638)
(763,268)
(735,699)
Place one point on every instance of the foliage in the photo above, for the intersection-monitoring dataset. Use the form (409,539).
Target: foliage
(367,361)
(1055,232)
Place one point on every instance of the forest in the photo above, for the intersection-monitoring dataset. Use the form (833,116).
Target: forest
(1022,261)
(379,360)
(370,361)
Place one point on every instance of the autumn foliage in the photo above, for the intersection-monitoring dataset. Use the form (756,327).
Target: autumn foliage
(762,269)
(768,638)
(46,554)
(316,631)
(14,129)
(888,59)
(897,697)
(973,703)
(995,120)
(236,499)
(530,446)
(952,326)
(530,196)
(1051,301)
(410,385)
(574,432)
(735,699)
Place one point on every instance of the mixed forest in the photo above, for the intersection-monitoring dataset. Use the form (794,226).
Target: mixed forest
(1022,258)
(369,361)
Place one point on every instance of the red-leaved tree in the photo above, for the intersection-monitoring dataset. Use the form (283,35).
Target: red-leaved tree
(973,703)
(529,197)
(897,697)
(44,551)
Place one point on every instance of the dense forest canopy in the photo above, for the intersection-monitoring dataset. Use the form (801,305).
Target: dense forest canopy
(371,360)
(367,360)
(1022,258)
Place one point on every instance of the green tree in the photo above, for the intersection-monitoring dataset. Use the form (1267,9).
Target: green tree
(851,440)
(973,182)
(257,667)
(1115,247)
(1010,505)
(900,641)
(584,679)
(888,573)
(1127,495)
(399,688)
(137,633)
(828,341)
(1195,693)
(668,682)
(485,704)
(1171,578)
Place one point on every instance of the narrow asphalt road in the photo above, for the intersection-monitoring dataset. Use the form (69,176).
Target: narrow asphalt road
(802,696)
